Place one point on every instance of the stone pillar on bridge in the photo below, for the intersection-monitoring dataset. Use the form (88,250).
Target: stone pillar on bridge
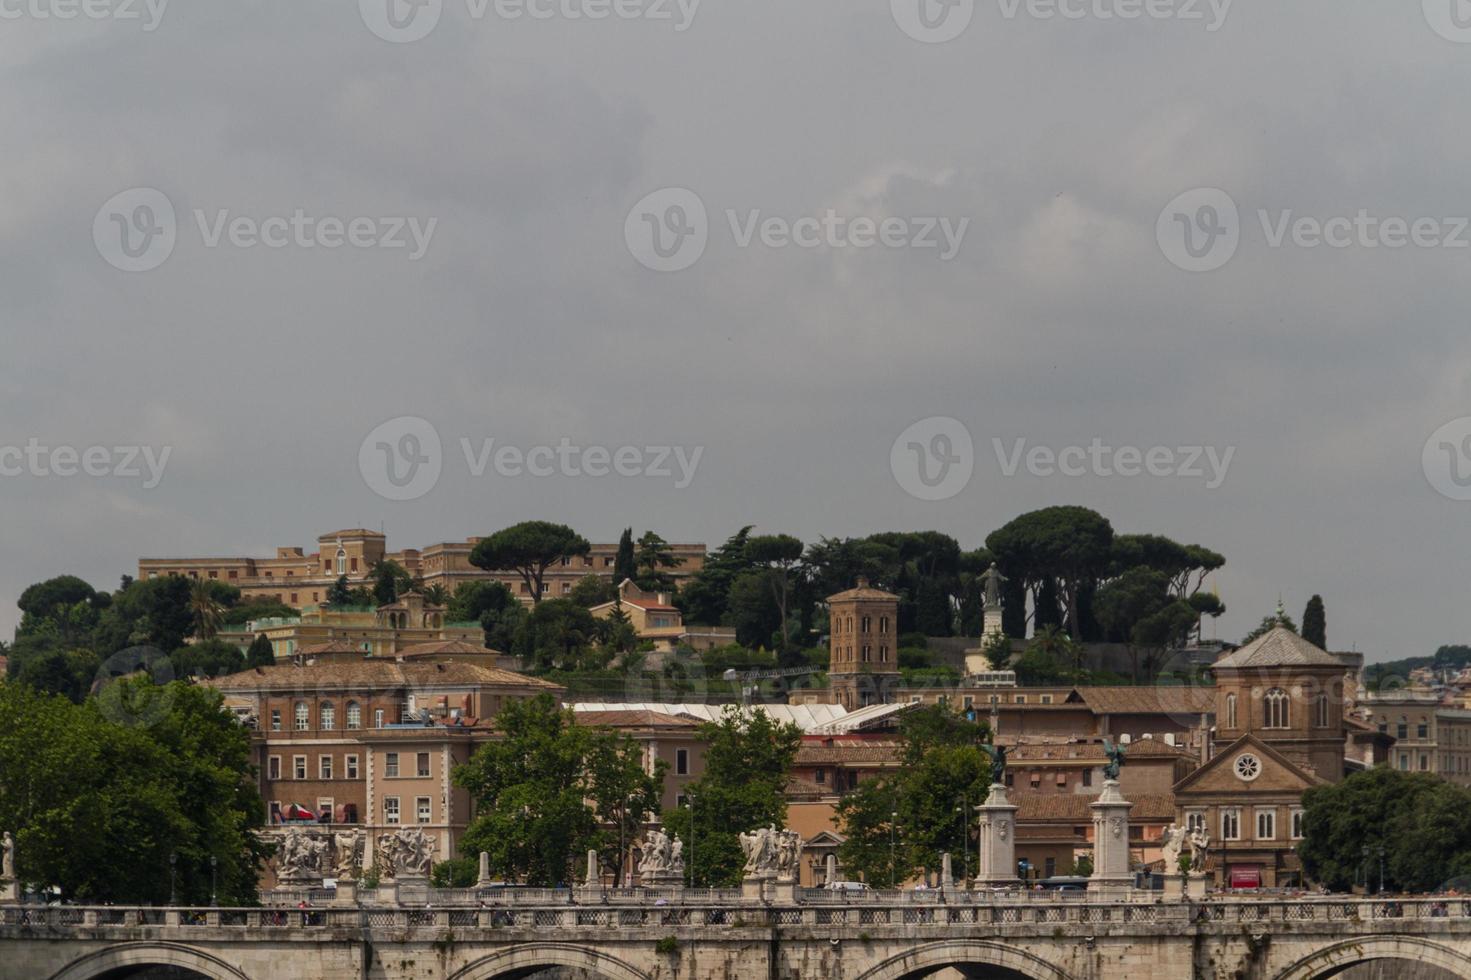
(998,841)
(1111,840)
(482,880)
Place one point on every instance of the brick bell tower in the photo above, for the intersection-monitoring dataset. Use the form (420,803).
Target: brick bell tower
(863,646)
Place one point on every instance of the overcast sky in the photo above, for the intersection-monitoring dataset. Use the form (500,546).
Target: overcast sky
(535,155)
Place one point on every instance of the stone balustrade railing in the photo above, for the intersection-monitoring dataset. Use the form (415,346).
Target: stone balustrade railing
(889,910)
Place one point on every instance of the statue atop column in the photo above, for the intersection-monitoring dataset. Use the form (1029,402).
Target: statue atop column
(997,755)
(991,608)
(1115,754)
(993,580)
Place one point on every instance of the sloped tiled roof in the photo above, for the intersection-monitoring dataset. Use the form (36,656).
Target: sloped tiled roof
(870,753)
(1279,647)
(1074,807)
(445,647)
(1149,700)
(864,591)
(374,674)
(332,646)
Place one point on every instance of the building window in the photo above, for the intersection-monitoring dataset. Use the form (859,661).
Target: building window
(351,764)
(1266,825)
(390,765)
(1324,715)
(1276,704)
(324,763)
(1195,821)
(1087,777)
(390,809)
(883,624)
(273,767)
(1422,731)
(1402,730)
(298,766)
(275,719)
(1046,699)
(378,718)
(1404,761)
(1424,762)
(303,718)
(682,762)
(327,714)
(341,562)
(820,776)
(1231,824)
(421,809)
(354,715)
(1230,711)
(1297,818)
(423,765)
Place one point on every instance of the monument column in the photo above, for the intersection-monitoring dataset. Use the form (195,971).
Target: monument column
(1111,840)
(998,841)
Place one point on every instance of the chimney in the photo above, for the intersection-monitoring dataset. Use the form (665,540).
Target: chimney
(863,581)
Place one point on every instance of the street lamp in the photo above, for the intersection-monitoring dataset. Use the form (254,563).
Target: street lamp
(692,839)
(213,892)
(893,818)
(173,868)
(964,811)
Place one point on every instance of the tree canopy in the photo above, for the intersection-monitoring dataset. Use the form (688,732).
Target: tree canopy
(529,549)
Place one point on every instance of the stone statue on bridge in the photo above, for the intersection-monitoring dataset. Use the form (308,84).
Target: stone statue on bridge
(1200,843)
(661,856)
(1172,844)
(302,856)
(7,857)
(997,755)
(1115,754)
(772,853)
(408,853)
(349,845)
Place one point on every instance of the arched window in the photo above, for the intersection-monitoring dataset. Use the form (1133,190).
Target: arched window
(1324,715)
(302,716)
(327,714)
(341,562)
(354,715)
(1277,715)
(1230,711)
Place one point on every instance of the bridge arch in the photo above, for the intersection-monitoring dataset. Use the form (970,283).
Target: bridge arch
(921,960)
(1333,960)
(529,957)
(126,955)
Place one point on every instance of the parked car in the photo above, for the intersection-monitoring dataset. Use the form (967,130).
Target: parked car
(847,886)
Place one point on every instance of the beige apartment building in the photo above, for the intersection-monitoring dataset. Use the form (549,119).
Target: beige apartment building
(654,618)
(298,578)
(1428,736)
(409,626)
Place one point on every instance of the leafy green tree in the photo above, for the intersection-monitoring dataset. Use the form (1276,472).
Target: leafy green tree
(779,556)
(748,760)
(460,872)
(436,595)
(390,580)
(1071,545)
(1139,609)
(532,789)
(1269,623)
(625,565)
(1315,623)
(705,596)
(261,653)
(339,593)
(257,608)
(624,794)
(491,604)
(155,612)
(926,801)
(529,549)
(207,609)
(751,609)
(592,590)
(211,658)
(559,635)
(653,560)
(52,670)
(101,794)
(1422,822)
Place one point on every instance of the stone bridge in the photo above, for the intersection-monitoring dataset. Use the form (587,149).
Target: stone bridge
(878,936)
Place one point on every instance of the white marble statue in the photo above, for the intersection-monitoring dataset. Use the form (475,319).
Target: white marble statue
(409,853)
(349,847)
(658,854)
(7,857)
(1200,843)
(301,856)
(1172,843)
(771,852)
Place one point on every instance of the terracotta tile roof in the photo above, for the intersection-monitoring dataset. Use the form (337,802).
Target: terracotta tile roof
(799,787)
(1280,647)
(870,753)
(443,647)
(864,591)
(332,646)
(374,674)
(1149,700)
(1034,807)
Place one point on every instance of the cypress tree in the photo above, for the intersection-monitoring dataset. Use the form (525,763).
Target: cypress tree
(1314,623)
